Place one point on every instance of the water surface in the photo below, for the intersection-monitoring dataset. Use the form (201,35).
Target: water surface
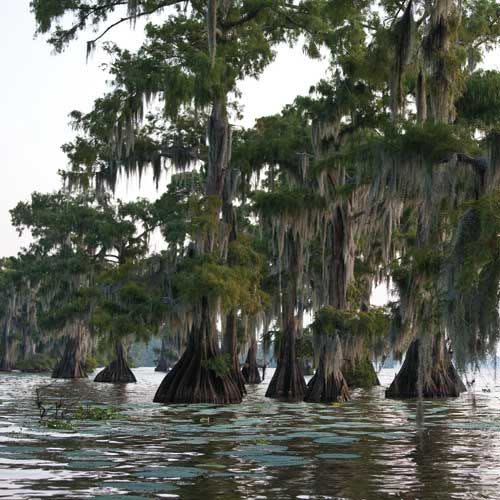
(368,448)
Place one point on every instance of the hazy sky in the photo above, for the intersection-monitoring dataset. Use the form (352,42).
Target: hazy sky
(39,89)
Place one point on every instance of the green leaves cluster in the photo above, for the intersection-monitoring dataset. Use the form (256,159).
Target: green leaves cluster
(371,324)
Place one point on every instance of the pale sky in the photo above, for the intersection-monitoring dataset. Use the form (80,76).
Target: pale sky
(39,89)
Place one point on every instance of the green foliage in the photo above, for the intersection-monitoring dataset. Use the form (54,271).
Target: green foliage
(236,284)
(36,363)
(304,346)
(480,102)
(220,364)
(360,373)
(286,202)
(276,140)
(59,424)
(433,142)
(95,413)
(90,364)
(371,324)
(129,303)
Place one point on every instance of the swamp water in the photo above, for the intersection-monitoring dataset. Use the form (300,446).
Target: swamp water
(368,448)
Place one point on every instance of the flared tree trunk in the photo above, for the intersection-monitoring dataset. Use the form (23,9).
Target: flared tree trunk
(436,378)
(250,369)
(230,348)
(360,373)
(288,380)
(327,385)
(72,363)
(118,371)
(29,347)
(7,358)
(199,376)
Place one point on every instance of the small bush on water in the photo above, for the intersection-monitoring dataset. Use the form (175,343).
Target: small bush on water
(58,424)
(95,413)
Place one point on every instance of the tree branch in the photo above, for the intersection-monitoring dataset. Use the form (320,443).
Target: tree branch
(169,3)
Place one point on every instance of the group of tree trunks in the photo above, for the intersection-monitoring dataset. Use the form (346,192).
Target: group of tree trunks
(195,379)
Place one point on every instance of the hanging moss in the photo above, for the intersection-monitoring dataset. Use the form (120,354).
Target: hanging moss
(286,202)
(404,38)
(480,102)
(371,323)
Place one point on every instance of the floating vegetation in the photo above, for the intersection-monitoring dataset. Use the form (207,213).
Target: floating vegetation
(66,425)
(96,413)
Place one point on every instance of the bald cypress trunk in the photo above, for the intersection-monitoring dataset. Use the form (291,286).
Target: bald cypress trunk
(219,154)
(200,375)
(72,363)
(7,355)
(328,383)
(288,380)
(28,345)
(118,371)
(435,377)
(250,369)
(339,274)
(230,348)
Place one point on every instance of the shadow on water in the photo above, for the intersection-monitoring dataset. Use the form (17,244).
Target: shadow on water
(367,448)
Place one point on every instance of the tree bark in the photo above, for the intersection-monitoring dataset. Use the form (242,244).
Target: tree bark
(327,385)
(7,359)
(440,381)
(118,371)
(72,363)
(339,263)
(288,380)
(194,378)
(219,154)
(230,347)
(29,347)
(250,369)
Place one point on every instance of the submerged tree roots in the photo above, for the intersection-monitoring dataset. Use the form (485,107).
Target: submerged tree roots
(250,370)
(72,363)
(327,386)
(117,372)
(439,381)
(191,381)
